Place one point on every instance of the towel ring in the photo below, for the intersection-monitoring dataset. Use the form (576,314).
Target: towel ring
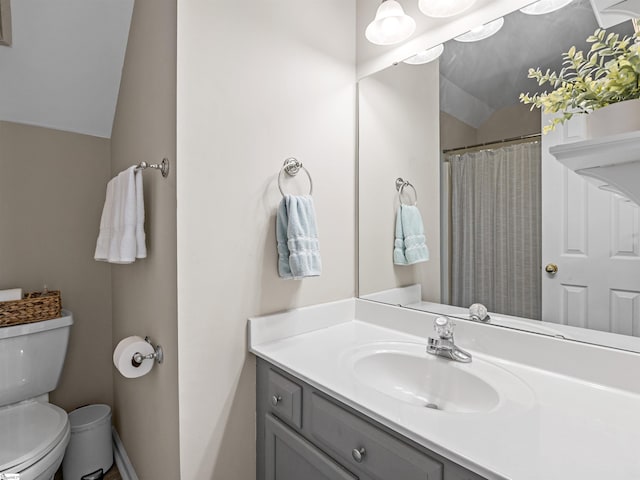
(291,167)
(400,185)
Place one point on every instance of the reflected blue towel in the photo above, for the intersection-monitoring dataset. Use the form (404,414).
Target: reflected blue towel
(410,245)
(297,238)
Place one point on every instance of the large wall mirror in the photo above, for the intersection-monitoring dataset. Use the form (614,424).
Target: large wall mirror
(506,225)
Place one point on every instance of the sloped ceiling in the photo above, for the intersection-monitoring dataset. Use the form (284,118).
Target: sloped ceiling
(64,67)
(493,71)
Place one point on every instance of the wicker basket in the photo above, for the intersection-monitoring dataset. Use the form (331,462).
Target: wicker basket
(34,307)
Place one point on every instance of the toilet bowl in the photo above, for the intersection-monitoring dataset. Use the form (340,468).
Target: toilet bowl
(33,433)
(33,439)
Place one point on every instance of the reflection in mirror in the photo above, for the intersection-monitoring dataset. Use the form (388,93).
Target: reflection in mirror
(505,224)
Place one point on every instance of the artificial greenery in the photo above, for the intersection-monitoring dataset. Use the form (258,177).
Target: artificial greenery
(609,73)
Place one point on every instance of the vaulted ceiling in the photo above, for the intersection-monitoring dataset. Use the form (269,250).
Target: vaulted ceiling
(64,66)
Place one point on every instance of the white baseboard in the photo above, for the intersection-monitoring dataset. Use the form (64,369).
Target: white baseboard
(122,459)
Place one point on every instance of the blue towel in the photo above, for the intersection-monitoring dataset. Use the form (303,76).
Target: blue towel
(297,238)
(410,245)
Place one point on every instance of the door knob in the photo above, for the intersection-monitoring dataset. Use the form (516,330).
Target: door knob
(551,268)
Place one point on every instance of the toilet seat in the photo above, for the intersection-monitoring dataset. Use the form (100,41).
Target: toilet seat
(29,432)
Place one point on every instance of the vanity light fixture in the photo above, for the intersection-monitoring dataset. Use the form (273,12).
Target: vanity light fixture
(426,56)
(545,6)
(444,8)
(481,32)
(391,24)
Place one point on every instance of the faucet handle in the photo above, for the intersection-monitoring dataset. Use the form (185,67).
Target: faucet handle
(443,327)
(478,312)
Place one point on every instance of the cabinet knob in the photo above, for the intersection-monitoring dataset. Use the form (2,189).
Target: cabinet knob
(358,454)
(275,400)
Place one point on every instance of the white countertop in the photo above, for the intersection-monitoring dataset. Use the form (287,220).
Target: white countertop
(572,428)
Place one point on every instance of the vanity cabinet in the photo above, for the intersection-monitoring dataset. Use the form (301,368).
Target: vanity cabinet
(303,434)
(288,456)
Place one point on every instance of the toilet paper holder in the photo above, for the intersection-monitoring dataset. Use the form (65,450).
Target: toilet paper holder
(157,355)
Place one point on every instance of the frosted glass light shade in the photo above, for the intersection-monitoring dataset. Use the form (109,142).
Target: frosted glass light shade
(545,6)
(391,24)
(444,8)
(482,32)
(426,56)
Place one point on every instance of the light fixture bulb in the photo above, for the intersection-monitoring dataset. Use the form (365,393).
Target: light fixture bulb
(545,6)
(426,56)
(391,24)
(444,8)
(481,32)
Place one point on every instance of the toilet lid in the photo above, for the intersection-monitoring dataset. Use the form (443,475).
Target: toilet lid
(29,431)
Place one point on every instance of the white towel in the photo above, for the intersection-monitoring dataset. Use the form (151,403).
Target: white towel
(104,236)
(121,238)
(141,243)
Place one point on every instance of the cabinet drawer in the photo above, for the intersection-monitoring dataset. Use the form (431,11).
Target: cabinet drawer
(284,399)
(366,448)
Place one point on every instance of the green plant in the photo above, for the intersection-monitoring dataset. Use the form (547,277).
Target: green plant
(609,73)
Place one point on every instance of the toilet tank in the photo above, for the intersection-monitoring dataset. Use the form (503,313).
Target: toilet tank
(31,358)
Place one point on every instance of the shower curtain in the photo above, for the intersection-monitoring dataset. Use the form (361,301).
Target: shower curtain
(495,229)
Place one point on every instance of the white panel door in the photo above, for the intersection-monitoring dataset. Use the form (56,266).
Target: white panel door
(593,237)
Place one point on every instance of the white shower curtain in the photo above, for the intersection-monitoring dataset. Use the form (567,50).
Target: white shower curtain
(495,229)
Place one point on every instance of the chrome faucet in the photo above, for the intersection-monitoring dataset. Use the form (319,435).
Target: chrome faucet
(444,346)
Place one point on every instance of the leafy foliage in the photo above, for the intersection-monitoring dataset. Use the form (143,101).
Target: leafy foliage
(609,73)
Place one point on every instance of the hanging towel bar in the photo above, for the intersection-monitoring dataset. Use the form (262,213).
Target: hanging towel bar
(291,167)
(162,166)
(400,186)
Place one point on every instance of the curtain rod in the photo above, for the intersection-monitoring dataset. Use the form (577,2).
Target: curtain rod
(497,142)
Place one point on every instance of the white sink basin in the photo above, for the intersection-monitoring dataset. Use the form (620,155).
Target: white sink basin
(407,373)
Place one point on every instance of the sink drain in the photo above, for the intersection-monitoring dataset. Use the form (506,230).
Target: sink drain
(432,406)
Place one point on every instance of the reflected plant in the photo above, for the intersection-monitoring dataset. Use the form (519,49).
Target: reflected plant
(609,73)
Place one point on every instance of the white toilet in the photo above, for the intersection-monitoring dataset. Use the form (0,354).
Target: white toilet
(33,433)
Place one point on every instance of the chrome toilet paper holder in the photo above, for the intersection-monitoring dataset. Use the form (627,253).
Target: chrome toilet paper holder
(157,355)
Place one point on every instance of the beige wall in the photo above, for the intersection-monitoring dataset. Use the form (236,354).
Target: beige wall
(144,293)
(51,197)
(257,82)
(510,122)
(398,124)
(455,133)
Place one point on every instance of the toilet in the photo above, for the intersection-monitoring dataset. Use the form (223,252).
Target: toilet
(33,433)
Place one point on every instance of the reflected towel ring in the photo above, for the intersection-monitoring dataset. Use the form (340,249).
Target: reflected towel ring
(400,185)
(291,167)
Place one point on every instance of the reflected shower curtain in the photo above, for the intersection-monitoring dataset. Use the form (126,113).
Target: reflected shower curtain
(495,229)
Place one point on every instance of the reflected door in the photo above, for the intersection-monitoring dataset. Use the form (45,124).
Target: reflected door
(593,237)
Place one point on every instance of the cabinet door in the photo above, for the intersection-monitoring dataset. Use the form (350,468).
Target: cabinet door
(288,456)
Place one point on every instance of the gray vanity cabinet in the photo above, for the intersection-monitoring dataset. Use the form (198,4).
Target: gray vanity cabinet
(303,434)
(362,446)
(288,456)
